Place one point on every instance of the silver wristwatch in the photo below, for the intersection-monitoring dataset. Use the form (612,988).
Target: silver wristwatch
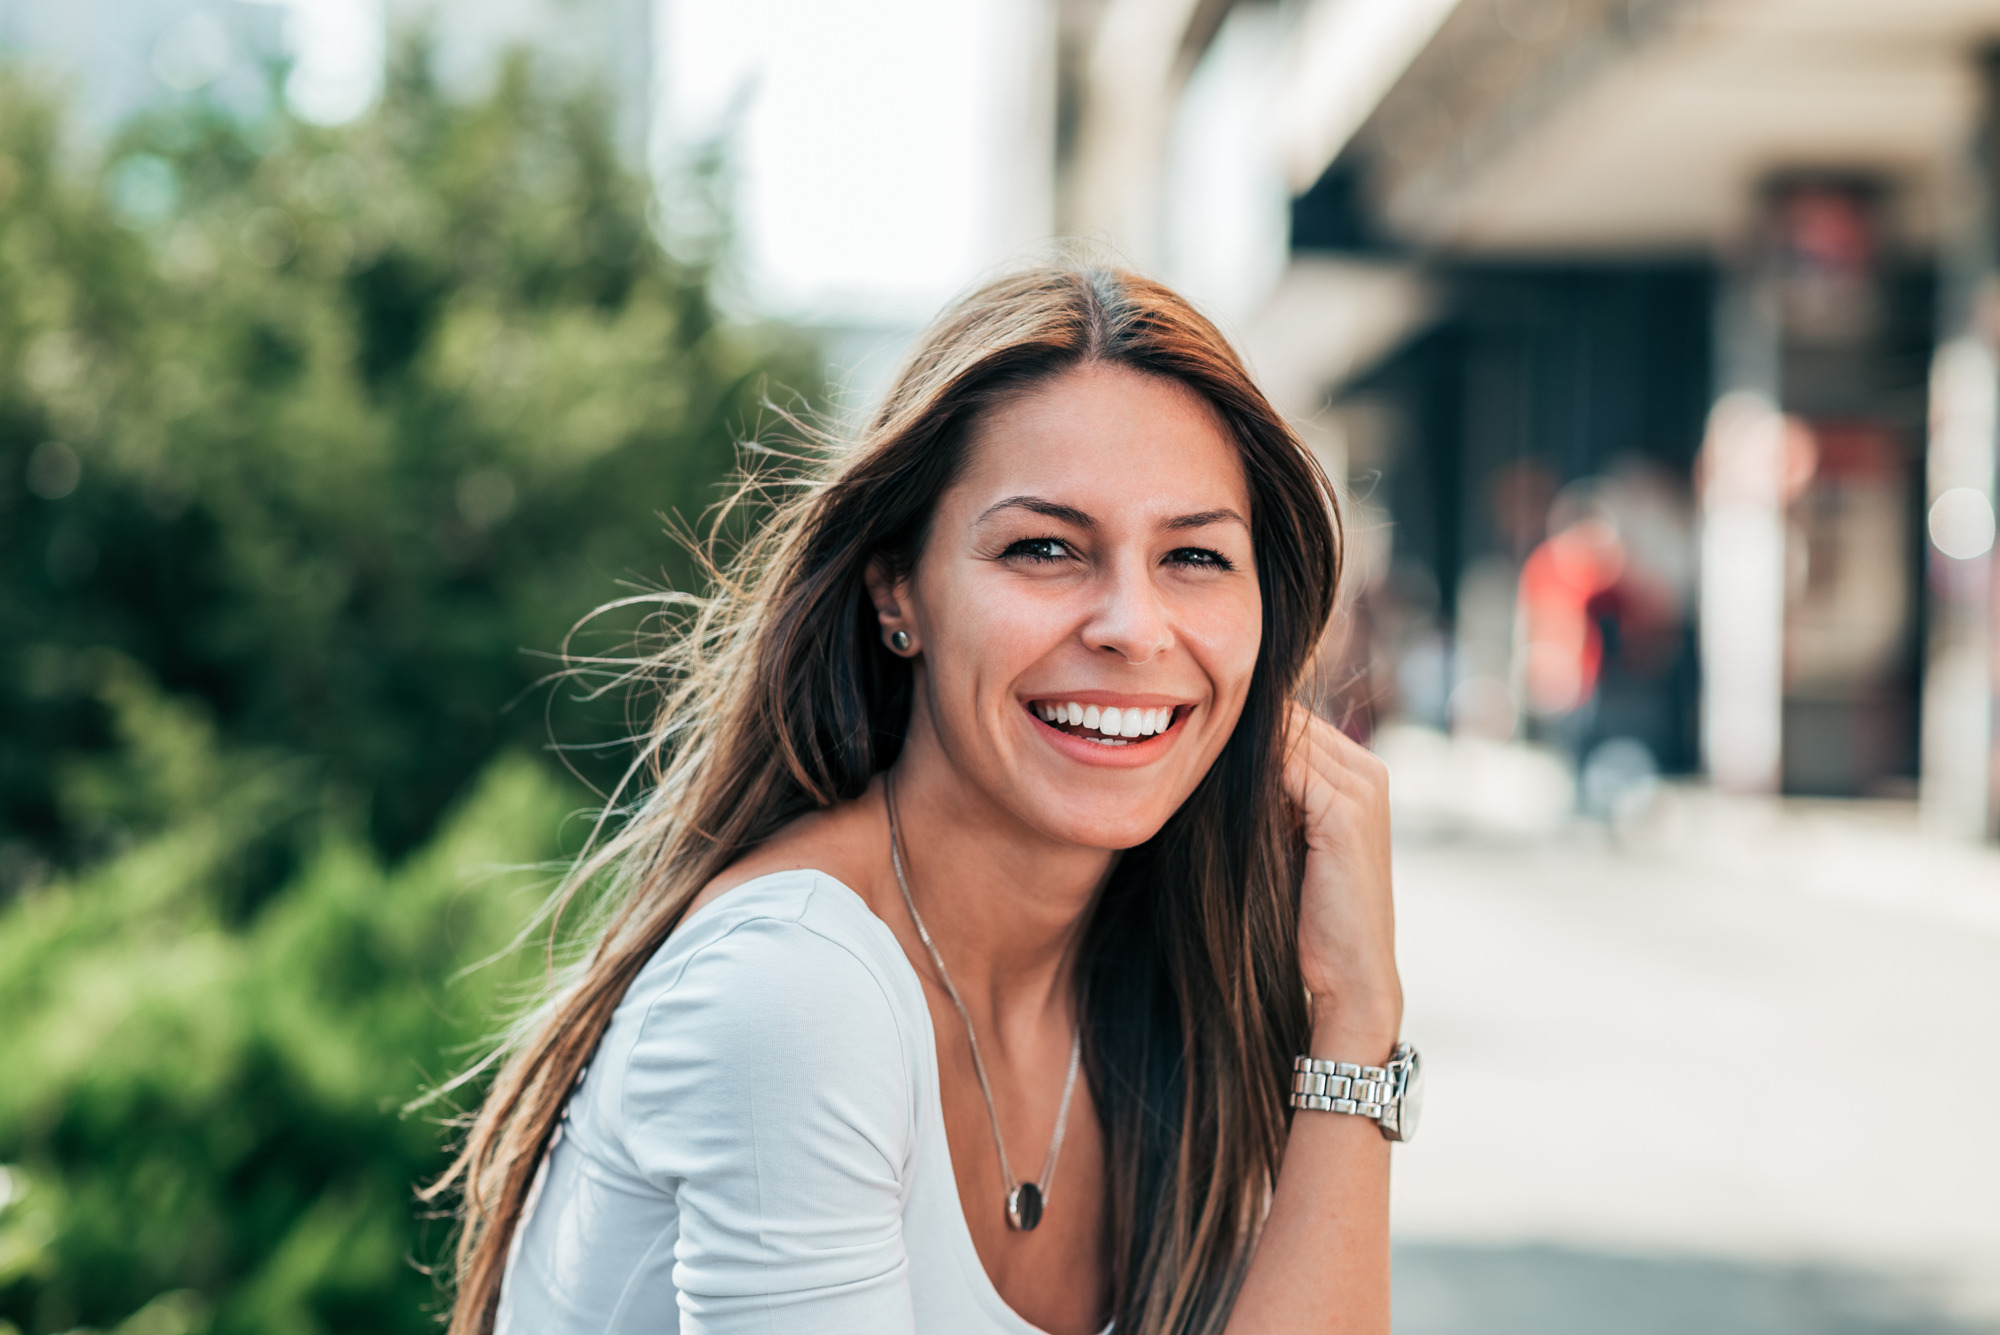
(1391,1096)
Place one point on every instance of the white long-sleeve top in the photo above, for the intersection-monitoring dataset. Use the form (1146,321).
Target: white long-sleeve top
(758,1145)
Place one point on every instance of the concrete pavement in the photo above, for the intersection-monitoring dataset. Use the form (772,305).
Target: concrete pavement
(1738,1070)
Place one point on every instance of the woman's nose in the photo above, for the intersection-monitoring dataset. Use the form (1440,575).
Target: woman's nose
(1130,618)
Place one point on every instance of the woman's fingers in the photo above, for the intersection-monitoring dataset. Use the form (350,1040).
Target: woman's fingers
(1311,789)
(1332,754)
(1338,788)
(1346,908)
(1310,775)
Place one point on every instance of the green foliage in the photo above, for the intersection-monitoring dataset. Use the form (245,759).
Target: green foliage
(305,436)
(327,427)
(201,1120)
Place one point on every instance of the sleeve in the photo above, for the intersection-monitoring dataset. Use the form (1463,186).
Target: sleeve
(768,1091)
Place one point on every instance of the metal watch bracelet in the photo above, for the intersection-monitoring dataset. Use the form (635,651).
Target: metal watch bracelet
(1390,1096)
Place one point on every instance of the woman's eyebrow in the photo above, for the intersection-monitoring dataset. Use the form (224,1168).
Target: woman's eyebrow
(1203,518)
(1068,514)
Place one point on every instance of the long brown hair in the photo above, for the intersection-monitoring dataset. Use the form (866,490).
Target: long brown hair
(779,697)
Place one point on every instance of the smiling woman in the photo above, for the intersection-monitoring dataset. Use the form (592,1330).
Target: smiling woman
(982,771)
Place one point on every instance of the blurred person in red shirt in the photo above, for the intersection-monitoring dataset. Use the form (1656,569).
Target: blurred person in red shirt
(1597,630)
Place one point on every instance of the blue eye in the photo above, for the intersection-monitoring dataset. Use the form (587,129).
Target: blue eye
(1199,558)
(1038,549)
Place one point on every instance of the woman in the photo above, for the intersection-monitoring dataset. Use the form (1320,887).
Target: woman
(980,771)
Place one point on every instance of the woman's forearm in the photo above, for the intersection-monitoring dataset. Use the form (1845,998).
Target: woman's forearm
(1322,1264)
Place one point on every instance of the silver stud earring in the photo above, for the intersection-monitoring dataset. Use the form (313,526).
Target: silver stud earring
(900,641)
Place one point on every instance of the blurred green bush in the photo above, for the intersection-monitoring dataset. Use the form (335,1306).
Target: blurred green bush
(306,435)
(324,427)
(202,1114)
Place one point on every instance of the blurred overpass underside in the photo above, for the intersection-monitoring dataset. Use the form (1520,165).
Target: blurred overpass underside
(1566,127)
(1550,127)
(1553,235)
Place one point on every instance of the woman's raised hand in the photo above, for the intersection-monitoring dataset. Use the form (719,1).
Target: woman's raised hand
(1347,916)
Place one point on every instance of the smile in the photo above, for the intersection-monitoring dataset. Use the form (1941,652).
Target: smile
(1108,725)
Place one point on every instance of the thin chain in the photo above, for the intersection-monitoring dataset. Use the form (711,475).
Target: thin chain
(978,1063)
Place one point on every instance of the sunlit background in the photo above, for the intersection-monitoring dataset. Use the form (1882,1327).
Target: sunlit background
(351,350)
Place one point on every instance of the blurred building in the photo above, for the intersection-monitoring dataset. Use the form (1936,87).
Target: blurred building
(1653,338)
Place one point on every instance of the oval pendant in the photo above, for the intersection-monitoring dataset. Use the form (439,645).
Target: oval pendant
(1024,1207)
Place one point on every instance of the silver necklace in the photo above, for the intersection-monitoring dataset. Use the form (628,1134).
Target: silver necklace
(1025,1200)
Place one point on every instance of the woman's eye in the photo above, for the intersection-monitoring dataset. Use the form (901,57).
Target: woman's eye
(1039,549)
(1201,558)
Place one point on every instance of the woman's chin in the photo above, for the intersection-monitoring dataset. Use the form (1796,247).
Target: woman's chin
(1110,821)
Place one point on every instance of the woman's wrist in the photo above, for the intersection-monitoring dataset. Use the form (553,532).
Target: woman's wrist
(1353,1029)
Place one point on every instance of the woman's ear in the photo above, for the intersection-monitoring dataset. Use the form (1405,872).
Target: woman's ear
(891,598)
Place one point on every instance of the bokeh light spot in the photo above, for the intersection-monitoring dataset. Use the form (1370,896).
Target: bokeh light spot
(1961,523)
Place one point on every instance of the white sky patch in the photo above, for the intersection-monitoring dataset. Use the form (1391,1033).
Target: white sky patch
(337,48)
(877,145)
(864,141)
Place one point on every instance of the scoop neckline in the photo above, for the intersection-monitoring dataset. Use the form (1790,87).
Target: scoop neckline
(986,1292)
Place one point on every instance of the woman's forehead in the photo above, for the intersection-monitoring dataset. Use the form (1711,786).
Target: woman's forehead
(1106,430)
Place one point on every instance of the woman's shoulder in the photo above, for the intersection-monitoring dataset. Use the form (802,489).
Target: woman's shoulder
(771,1018)
(796,912)
(787,986)
(787,958)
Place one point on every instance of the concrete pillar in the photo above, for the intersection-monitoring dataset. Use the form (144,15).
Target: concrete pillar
(1742,544)
(1961,769)
(1112,191)
(1743,593)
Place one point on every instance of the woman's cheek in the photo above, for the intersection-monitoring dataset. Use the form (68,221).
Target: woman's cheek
(1023,624)
(1224,635)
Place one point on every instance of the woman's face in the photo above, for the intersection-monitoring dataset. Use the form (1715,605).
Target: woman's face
(1086,608)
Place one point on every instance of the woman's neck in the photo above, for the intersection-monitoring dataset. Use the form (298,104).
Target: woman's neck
(1005,905)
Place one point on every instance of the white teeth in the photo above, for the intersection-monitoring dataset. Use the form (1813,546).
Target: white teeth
(1116,724)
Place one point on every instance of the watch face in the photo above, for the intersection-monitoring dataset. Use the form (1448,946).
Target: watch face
(1413,1100)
